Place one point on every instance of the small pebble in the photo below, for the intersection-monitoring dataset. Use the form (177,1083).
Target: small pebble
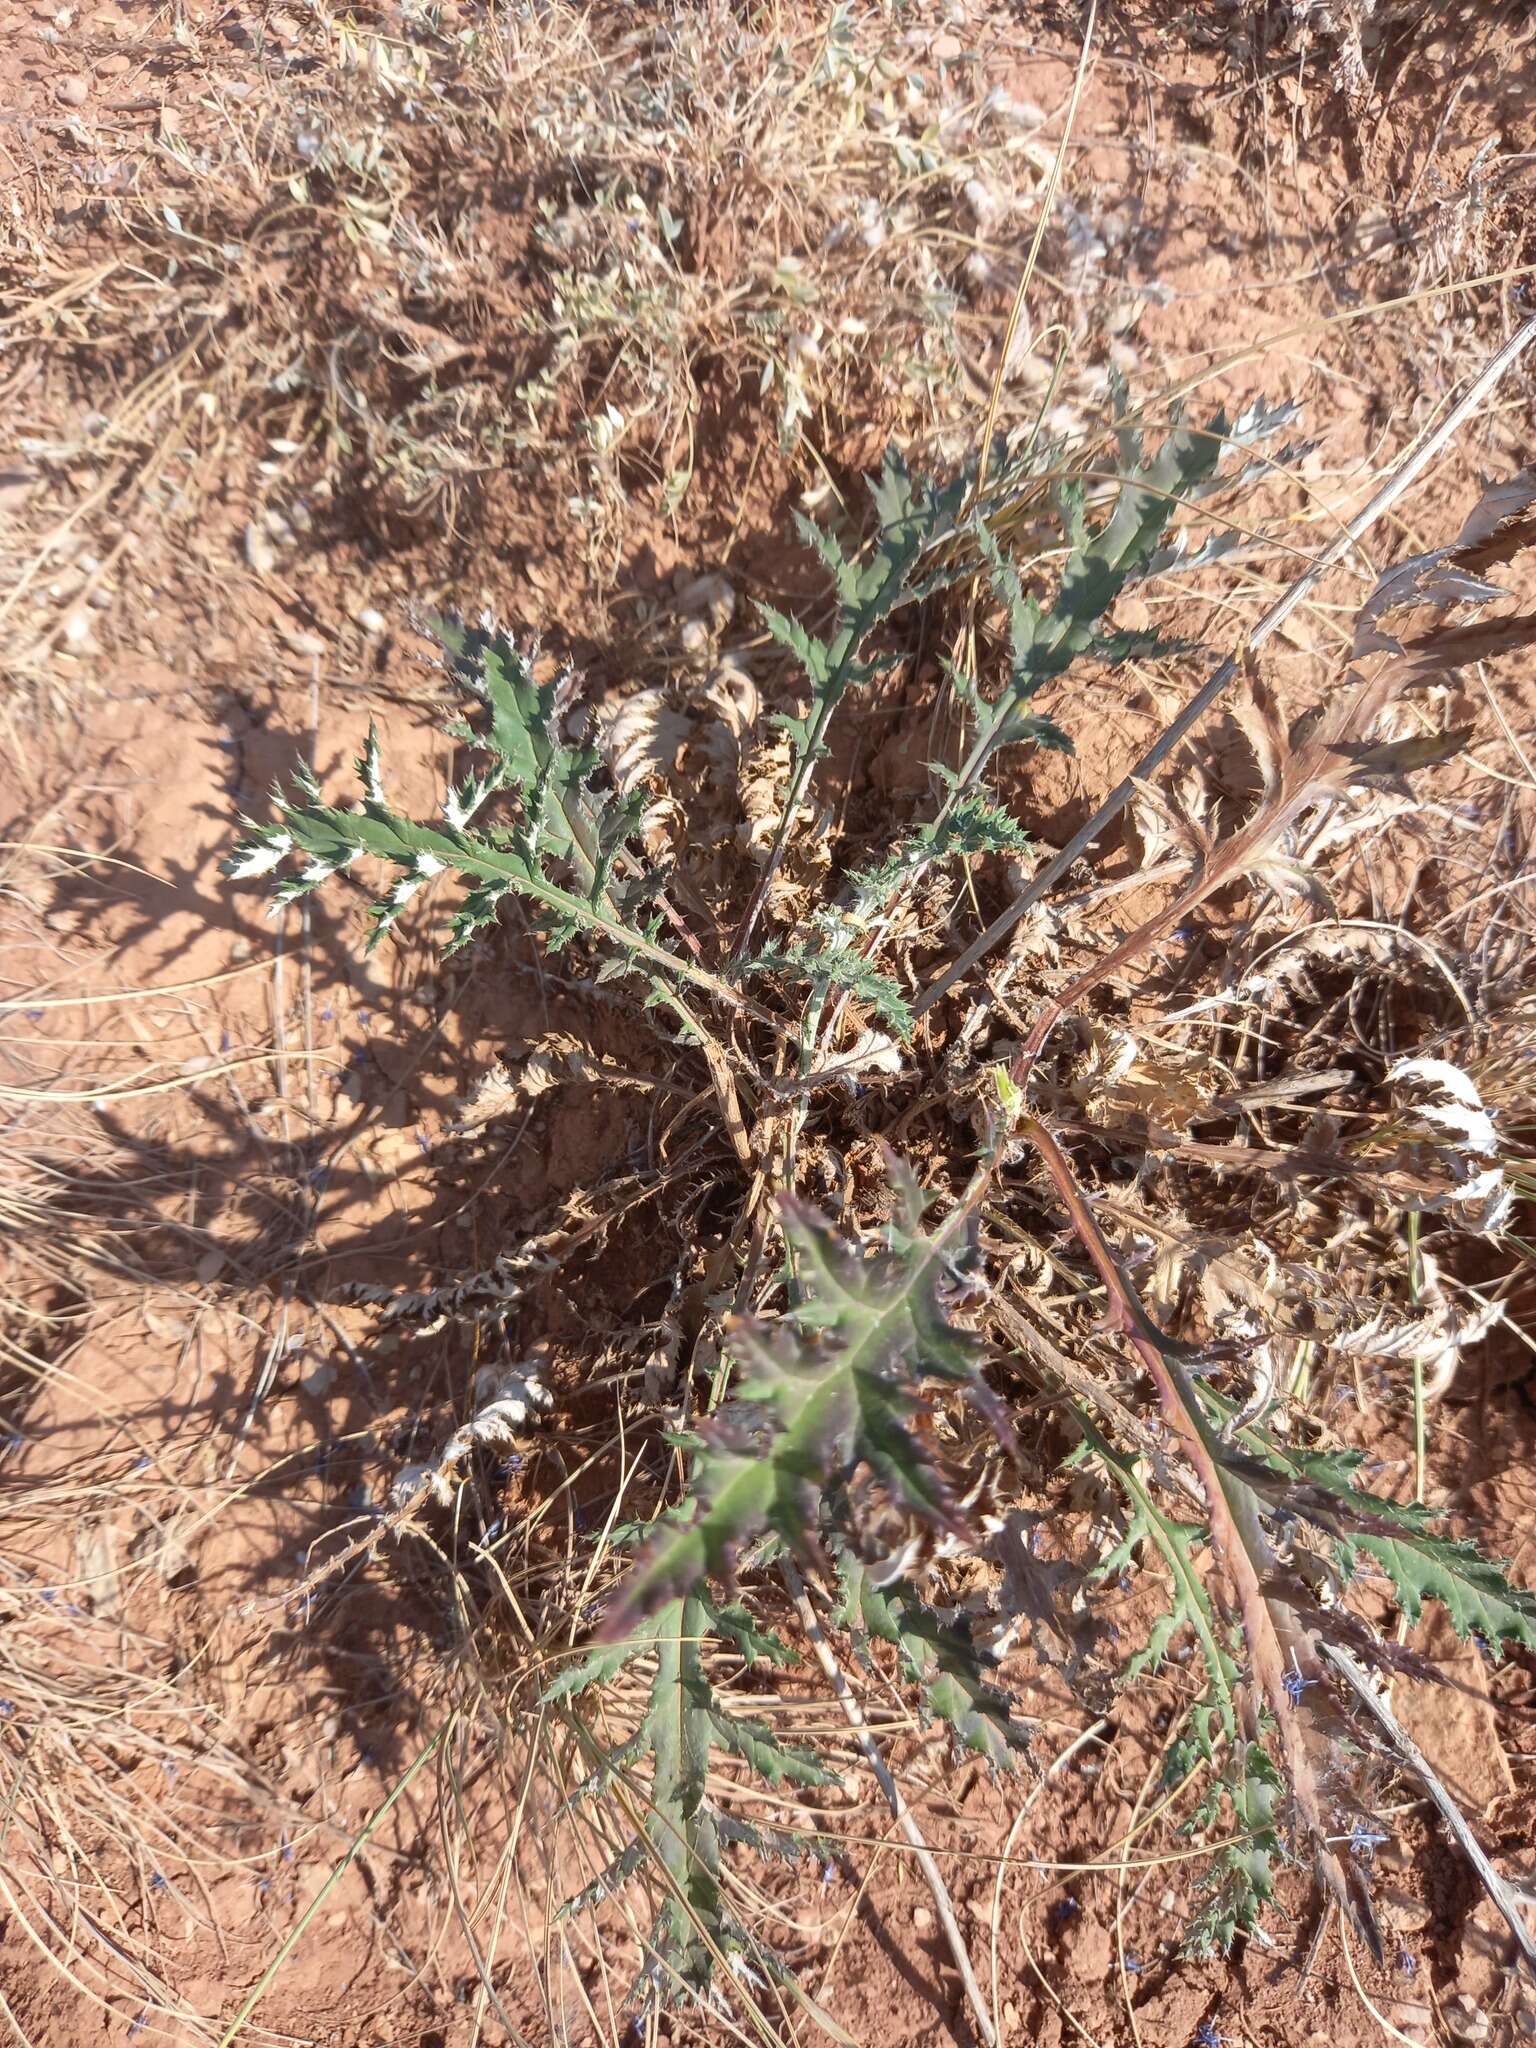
(712,597)
(319,1380)
(1401,1911)
(1410,2020)
(72,92)
(1466,2020)
(983,202)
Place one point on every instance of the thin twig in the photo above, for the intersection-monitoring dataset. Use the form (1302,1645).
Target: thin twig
(922,1854)
(1407,472)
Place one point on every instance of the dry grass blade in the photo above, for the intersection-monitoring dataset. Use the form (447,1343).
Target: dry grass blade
(360,1841)
(1407,1751)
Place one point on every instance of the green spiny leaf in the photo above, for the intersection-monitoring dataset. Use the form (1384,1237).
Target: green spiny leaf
(1043,644)
(940,1658)
(870,589)
(611,1879)
(971,825)
(1421,1564)
(1473,1589)
(813,655)
(1190,1606)
(679,1827)
(823,542)
(1241,1882)
(683,1725)
(756,1744)
(768,1842)
(753,1640)
(835,1381)
(600,1665)
(833,966)
(561,847)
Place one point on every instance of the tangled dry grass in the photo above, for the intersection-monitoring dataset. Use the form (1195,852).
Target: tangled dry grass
(515,248)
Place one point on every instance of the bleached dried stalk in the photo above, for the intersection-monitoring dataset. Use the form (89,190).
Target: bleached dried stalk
(509,1397)
(1408,1752)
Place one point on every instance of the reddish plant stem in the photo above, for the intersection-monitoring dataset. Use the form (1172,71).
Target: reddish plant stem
(1235,1528)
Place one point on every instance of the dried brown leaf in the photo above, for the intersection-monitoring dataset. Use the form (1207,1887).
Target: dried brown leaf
(1321,763)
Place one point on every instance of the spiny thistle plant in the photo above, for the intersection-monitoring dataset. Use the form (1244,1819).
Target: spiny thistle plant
(867,1367)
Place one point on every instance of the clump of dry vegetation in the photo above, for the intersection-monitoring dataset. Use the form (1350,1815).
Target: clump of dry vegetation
(1036,1249)
(454,248)
(846,1404)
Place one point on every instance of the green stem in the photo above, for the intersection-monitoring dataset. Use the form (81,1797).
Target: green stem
(1178,1565)
(556,898)
(800,782)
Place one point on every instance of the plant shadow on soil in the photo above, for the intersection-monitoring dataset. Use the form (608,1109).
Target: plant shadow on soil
(296,1223)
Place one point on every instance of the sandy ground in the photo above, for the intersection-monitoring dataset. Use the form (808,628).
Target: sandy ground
(266,1112)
